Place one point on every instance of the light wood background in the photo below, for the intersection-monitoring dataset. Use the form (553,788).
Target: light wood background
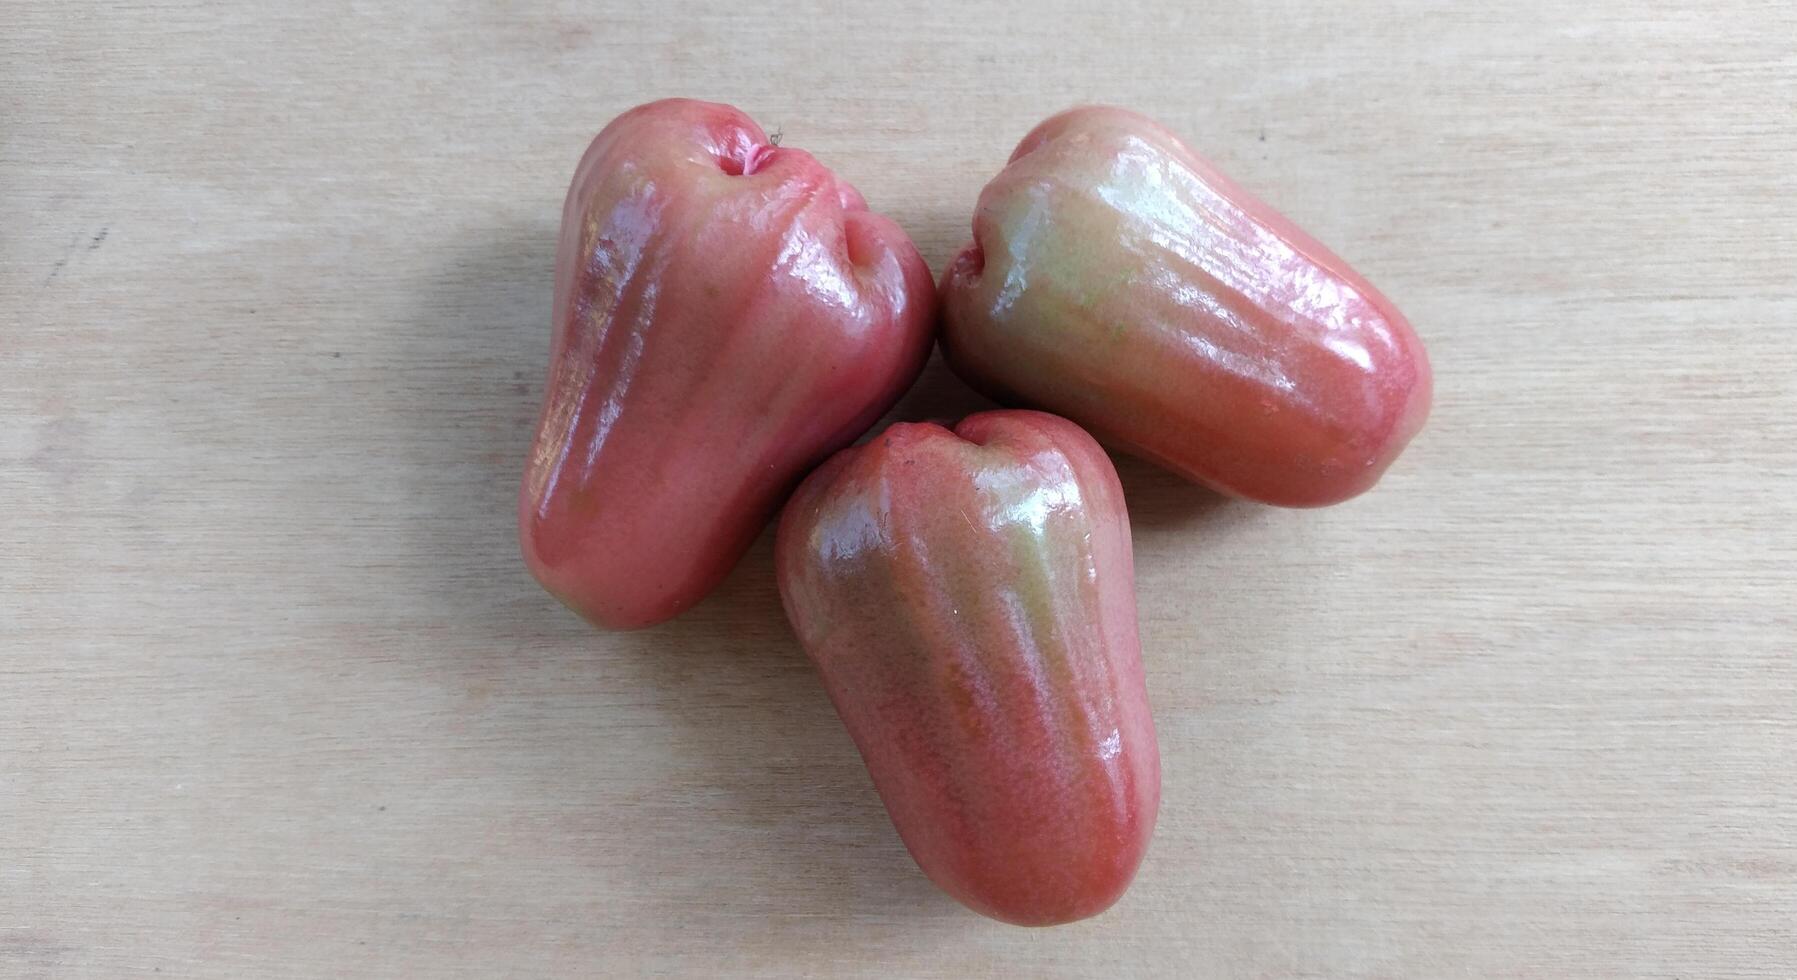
(278,699)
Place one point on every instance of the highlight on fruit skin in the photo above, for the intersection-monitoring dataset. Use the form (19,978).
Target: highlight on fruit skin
(727,314)
(1119,279)
(968,598)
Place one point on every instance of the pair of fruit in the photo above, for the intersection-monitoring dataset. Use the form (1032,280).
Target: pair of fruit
(728,314)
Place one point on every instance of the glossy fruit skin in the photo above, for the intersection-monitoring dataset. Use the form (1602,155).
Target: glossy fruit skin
(969,600)
(727,314)
(1118,279)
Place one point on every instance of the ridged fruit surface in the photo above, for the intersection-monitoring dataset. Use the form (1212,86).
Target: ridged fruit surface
(1118,279)
(969,600)
(727,314)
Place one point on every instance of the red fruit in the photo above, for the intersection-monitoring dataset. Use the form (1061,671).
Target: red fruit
(1117,278)
(727,313)
(969,599)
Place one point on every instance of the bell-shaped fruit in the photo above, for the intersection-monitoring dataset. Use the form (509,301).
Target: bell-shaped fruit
(727,314)
(969,600)
(1120,280)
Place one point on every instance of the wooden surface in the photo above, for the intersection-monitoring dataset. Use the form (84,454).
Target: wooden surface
(278,699)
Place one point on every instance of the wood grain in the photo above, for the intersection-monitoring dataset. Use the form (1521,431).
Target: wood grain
(277,698)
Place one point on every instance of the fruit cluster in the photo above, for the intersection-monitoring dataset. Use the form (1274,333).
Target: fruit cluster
(729,316)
